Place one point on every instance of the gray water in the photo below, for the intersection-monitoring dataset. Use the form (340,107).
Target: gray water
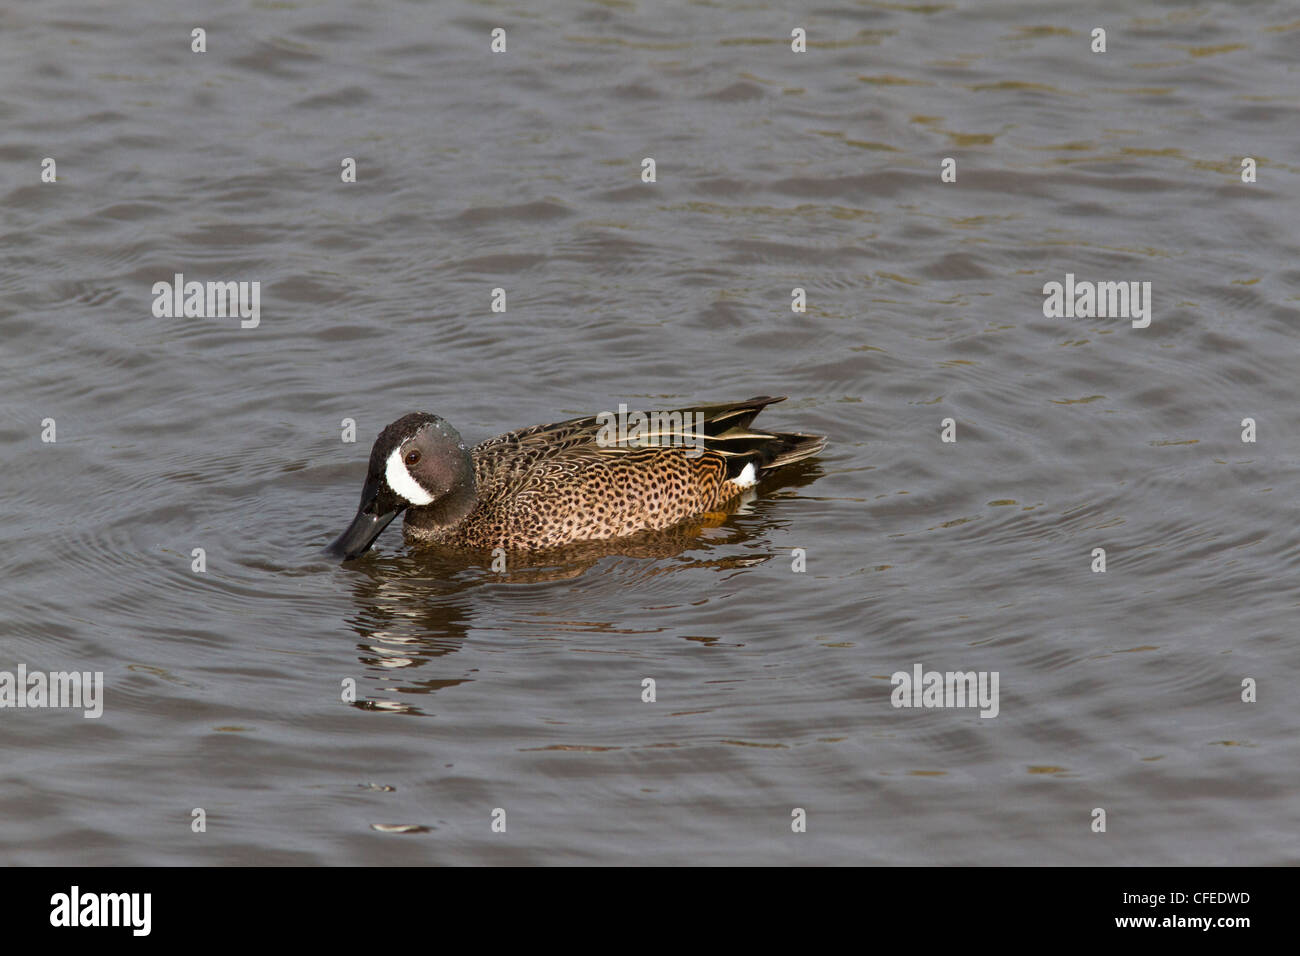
(522,691)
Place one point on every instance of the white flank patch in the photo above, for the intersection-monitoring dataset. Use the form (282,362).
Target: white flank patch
(747,478)
(400,480)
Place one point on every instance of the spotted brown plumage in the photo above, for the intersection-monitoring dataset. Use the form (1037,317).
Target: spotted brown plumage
(550,485)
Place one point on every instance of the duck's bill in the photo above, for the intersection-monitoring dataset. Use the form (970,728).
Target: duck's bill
(373,516)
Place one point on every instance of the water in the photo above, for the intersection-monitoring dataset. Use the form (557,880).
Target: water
(774,170)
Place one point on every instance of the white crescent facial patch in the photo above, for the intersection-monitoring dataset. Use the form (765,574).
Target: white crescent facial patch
(400,480)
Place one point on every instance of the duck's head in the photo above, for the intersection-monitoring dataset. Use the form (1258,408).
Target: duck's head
(418,460)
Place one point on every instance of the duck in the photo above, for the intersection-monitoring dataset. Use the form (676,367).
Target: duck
(546,486)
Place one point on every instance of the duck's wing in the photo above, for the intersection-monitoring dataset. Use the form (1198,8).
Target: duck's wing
(718,434)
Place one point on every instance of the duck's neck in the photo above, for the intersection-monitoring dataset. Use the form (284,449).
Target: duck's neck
(448,511)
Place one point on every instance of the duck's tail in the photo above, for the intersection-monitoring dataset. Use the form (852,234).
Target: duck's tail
(728,432)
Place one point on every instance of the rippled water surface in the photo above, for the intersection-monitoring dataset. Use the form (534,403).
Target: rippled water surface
(775,170)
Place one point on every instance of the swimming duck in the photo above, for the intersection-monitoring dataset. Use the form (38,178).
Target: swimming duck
(550,485)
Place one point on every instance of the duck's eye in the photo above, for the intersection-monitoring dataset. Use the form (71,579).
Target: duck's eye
(412,457)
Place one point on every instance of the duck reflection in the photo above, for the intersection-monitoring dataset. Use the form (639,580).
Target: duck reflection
(416,609)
